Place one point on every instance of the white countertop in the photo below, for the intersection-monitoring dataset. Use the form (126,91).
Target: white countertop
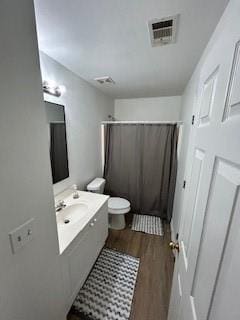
(68,232)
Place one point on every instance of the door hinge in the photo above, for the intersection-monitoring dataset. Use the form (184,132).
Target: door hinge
(193,119)
(184,184)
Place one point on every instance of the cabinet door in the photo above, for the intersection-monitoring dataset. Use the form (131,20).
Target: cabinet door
(100,229)
(83,255)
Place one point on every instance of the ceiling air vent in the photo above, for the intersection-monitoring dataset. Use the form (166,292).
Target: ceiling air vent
(103,80)
(163,31)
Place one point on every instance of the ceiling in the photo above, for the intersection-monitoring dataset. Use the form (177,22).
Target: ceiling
(95,38)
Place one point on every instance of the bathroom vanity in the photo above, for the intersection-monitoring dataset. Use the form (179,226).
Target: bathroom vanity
(82,230)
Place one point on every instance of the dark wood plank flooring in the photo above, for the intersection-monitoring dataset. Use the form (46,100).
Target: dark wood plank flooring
(152,292)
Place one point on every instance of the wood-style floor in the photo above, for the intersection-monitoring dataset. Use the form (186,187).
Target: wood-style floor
(152,292)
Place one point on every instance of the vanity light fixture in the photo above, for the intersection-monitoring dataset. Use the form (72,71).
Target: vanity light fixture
(53,89)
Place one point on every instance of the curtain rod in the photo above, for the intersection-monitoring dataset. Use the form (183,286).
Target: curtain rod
(143,122)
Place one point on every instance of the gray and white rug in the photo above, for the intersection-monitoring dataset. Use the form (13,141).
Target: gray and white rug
(147,224)
(108,291)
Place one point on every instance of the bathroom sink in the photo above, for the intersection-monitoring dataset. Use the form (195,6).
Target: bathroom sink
(75,214)
(72,213)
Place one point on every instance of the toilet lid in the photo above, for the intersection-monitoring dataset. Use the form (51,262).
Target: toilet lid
(118,203)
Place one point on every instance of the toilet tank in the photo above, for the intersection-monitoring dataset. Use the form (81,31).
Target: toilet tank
(97,185)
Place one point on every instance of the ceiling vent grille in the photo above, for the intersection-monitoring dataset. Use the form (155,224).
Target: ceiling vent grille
(163,31)
(103,80)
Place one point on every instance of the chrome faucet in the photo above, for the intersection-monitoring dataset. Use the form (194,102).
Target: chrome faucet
(60,205)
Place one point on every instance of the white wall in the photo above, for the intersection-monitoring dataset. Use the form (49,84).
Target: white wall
(85,108)
(30,286)
(159,108)
(190,105)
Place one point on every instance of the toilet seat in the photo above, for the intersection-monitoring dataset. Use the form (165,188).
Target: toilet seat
(118,205)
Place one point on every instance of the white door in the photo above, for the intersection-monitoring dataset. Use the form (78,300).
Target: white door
(206,283)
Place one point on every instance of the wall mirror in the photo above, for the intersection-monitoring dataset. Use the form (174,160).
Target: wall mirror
(57,141)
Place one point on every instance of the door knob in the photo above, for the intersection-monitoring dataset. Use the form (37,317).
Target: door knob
(174,246)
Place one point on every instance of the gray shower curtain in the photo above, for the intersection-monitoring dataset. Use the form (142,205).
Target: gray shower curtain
(141,166)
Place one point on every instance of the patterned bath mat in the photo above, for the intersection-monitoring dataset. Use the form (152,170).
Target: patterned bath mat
(108,291)
(147,224)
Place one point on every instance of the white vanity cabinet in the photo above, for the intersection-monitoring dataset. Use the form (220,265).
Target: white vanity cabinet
(79,257)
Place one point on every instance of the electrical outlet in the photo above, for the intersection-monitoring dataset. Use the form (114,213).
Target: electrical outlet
(20,236)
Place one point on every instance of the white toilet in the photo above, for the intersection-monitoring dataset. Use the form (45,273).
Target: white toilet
(117,207)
